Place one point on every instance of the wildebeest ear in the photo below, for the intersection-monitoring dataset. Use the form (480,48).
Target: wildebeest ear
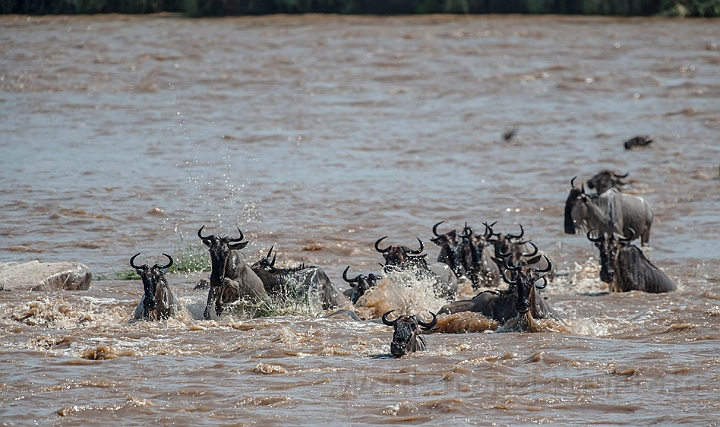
(534,260)
(238,245)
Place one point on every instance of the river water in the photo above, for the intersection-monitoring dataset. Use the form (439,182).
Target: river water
(319,135)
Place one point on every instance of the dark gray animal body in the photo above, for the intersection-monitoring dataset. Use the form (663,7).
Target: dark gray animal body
(467,255)
(634,272)
(608,212)
(230,279)
(607,179)
(402,258)
(158,301)
(407,335)
(309,282)
(522,299)
(638,141)
(359,284)
(608,247)
(516,250)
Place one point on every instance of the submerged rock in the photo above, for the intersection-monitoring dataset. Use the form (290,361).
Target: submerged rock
(45,276)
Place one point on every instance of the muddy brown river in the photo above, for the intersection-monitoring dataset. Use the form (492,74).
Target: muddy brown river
(319,135)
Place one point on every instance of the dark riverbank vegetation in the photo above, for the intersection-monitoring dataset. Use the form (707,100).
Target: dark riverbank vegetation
(198,8)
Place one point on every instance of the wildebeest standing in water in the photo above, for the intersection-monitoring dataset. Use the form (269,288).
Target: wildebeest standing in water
(404,259)
(158,302)
(407,335)
(515,249)
(359,284)
(607,179)
(309,282)
(230,279)
(632,271)
(608,247)
(608,212)
(521,299)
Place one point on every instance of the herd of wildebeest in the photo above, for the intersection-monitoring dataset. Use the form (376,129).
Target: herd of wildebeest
(505,271)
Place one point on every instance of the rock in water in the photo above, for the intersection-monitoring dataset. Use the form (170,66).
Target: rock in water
(45,276)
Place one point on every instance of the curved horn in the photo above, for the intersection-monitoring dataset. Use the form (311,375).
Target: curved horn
(596,239)
(388,322)
(545,282)
(200,234)
(377,248)
(572,182)
(132,261)
(628,239)
(238,239)
(169,264)
(419,251)
(269,252)
(467,231)
(435,229)
(345,278)
(512,236)
(546,269)
(506,280)
(621,176)
(532,254)
(488,229)
(509,267)
(427,325)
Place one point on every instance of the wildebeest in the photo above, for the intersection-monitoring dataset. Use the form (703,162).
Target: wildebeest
(607,179)
(454,250)
(482,270)
(512,246)
(607,245)
(158,301)
(230,279)
(295,283)
(631,270)
(407,335)
(521,299)
(402,258)
(609,212)
(359,284)
(638,141)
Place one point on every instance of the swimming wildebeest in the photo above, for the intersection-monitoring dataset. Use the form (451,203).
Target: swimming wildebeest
(407,335)
(158,302)
(359,284)
(608,212)
(629,269)
(521,299)
(512,246)
(638,141)
(230,279)
(468,255)
(607,179)
(608,247)
(404,259)
(295,283)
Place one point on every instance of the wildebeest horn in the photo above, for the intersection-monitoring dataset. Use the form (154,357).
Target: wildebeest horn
(166,266)
(572,182)
(377,248)
(532,254)
(545,282)
(467,230)
(621,176)
(512,236)
(508,281)
(239,238)
(488,229)
(345,278)
(435,229)
(203,238)
(509,267)
(388,322)
(596,239)
(132,262)
(419,251)
(427,325)
(546,269)
(628,239)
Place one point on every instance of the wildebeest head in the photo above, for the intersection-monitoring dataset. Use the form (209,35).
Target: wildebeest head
(266,263)
(360,283)
(220,248)
(608,247)
(151,277)
(524,281)
(575,209)
(452,249)
(606,179)
(407,336)
(399,256)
